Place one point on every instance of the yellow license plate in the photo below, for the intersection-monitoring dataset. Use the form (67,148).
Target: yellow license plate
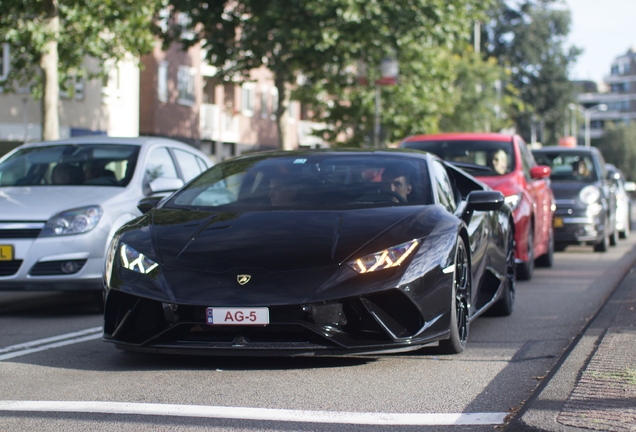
(6,253)
(558,222)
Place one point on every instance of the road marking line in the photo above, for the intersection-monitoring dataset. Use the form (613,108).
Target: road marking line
(241,413)
(25,348)
(51,339)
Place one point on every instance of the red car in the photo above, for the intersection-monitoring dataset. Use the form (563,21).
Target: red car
(505,163)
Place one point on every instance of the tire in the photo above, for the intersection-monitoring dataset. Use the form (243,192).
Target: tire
(460,298)
(547,259)
(525,269)
(613,238)
(625,233)
(603,245)
(505,305)
(560,247)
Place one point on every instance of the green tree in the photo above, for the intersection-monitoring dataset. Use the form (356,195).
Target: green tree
(483,101)
(320,43)
(618,146)
(530,42)
(50,39)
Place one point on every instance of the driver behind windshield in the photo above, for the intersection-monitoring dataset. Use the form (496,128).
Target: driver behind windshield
(397,179)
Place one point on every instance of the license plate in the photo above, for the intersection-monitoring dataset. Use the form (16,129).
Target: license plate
(558,222)
(237,316)
(6,252)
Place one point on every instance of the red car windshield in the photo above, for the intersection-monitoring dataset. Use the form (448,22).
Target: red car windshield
(498,156)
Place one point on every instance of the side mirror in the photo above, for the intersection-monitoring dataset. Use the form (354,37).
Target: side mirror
(540,172)
(630,186)
(147,204)
(482,201)
(165,184)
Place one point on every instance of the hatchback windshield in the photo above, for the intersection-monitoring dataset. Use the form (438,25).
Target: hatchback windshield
(568,166)
(497,156)
(70,165)
(308,182)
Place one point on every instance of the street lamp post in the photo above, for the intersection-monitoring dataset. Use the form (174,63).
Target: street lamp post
(587,113)
(573,126)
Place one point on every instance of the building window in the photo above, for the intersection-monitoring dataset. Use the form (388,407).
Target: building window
(264,99)
(73,88)
(162,81)
(4,61)
(185,85)
(247,99)
(274,93)
(291,111)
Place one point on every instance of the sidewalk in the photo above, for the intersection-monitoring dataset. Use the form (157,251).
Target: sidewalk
(594,387)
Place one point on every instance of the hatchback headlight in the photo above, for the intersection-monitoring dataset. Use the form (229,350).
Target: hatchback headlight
(75,221)
(589,194)
(135,261)
(391,257)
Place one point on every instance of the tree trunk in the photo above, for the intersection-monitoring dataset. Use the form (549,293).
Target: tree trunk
(281,124)
(48,64)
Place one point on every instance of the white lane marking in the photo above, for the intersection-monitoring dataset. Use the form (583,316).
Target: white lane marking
(241,413)
(44,344)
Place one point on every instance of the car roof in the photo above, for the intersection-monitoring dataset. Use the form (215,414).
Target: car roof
(577,149)
(100,139)
(456,136)
(406,153)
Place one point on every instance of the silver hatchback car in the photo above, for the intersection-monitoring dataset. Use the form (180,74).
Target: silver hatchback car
(62,201)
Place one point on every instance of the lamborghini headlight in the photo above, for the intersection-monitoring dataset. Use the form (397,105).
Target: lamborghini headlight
(589,194)
(76,221)
(391,257)
(135,261)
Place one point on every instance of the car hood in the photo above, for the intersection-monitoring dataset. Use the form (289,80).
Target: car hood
(275,240)
(506,184)
(39,203)
(567,190)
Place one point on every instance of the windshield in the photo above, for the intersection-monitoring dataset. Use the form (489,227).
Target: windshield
(308,182)
(489,158)
(568,166)
(70,165)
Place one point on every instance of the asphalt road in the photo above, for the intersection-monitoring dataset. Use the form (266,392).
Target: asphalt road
(50,350)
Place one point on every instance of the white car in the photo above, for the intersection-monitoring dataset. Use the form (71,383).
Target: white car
(62,201)
(622,189)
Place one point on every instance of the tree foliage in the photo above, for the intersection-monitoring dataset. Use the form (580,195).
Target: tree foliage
(618,146)
(321,42)
(106,30)
(529,40)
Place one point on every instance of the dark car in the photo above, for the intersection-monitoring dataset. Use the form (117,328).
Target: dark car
(505,163)
(585,199)
(312,253)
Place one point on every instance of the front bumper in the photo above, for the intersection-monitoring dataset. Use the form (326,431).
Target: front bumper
(65,263)
(386,321)
(578,229)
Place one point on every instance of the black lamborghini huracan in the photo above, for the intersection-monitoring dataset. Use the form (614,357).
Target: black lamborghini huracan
(312,253)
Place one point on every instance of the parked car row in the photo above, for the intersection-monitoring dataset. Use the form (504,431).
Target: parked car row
(505,163)
(302,253)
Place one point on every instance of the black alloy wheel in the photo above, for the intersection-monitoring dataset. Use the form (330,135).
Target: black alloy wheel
(460,298)
(505,305)
(525,269)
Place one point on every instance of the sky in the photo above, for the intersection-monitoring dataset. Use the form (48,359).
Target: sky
(604,29)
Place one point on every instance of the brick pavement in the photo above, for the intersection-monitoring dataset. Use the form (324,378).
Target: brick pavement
(602,396)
